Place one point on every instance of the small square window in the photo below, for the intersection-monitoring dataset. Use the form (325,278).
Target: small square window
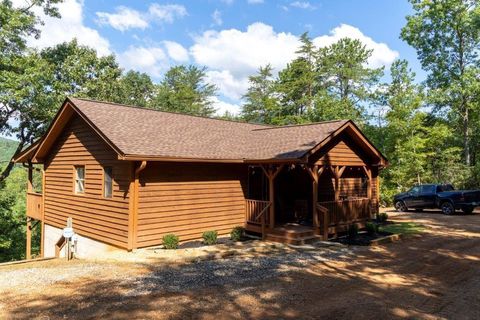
(79,179)
(107,182)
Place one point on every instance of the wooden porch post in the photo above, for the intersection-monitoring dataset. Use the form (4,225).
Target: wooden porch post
(271,198)
(337,173)
(368,173)
(42,232)
(133,204)
(316,222)
(271,173)
(28,254)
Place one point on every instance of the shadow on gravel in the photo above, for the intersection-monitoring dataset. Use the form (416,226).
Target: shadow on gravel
(428,276)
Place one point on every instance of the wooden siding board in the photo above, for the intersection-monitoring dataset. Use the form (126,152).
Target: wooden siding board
(93,215)
(188,199)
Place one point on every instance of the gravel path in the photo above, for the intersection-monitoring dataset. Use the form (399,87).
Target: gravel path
(151,277)
(235,270)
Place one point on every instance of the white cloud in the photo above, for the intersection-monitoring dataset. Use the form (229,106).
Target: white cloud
(232,55)
(228,85)
(166,13)
(382,55)
(217,18)
(151,60)
(255,1)
(176,51)
(123,19)
(221,107)
(302,5)
(55,31)
(242,52)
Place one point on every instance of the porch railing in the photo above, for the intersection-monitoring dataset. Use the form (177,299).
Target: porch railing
(256,212)
(347,211)
(34,205)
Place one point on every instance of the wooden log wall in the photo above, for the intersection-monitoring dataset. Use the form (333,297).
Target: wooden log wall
(93,215)
(187,199)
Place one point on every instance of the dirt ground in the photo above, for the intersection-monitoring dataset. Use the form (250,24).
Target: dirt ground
(435,275)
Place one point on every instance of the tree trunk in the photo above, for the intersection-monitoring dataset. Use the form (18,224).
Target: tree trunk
(466,137)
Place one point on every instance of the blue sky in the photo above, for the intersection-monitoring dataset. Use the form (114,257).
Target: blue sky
(232,38)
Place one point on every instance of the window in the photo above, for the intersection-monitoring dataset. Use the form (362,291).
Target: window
(428,188)
(79,179)
(415,190)
(107,182)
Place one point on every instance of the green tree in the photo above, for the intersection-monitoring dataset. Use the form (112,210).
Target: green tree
(261,104)
(79,71)
(136,89)
(296,85)
(184,89)
(346,82)
(446,35)
(405,133)
(16,65)
(36,93)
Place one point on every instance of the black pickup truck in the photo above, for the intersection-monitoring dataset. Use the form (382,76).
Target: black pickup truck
(437,196)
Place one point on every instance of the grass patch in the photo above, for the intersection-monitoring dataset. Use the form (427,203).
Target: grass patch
(404,228)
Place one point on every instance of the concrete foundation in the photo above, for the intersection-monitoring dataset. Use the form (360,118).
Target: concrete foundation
(85,247)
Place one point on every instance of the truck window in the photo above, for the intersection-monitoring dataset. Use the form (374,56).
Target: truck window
(415,189)
(428,188)
(447,187)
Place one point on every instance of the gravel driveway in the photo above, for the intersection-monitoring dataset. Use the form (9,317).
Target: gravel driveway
(432,276)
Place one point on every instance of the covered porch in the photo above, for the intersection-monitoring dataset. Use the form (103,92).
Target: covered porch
(296,203)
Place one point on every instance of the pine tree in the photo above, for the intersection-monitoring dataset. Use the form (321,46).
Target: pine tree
(261,104)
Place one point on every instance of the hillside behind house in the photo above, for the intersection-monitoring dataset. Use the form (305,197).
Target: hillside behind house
(7,148)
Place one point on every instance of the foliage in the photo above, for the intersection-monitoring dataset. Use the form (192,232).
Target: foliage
(382,217)
(319,84)
(210,237)
(352,231)
(184,89)
(261,103)
(237,233)
(403,228)
(446,35)
(170,241)
(372,228)
(7,148)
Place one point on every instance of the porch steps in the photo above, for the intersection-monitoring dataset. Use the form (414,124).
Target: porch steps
(292,234)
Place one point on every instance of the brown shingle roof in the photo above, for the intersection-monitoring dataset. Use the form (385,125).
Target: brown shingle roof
(145,132)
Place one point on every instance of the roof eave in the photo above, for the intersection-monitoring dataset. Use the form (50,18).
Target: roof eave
(137,157)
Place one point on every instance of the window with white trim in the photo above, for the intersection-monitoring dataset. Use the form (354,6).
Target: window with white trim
(107,182)
(79,179)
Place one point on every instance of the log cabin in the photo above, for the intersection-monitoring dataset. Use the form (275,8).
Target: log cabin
(127,176)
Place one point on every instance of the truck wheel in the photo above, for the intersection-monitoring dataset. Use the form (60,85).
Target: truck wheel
(400,206)
(447,208)
(467,210)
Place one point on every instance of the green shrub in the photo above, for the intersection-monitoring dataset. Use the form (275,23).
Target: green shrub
(237,233)
(371,227)
(382,217)
(352,231)
(170,241)
(210,237)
